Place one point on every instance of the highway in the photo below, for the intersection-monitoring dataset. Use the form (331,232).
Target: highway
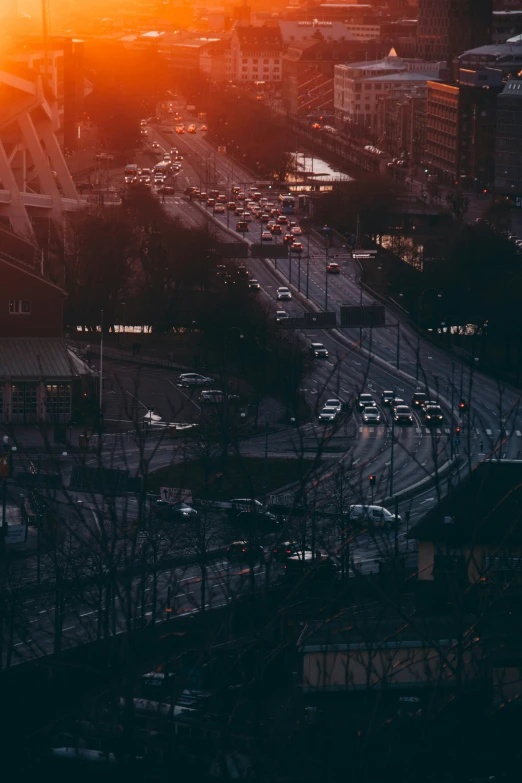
(490,428)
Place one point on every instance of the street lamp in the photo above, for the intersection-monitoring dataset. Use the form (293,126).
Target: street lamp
(420,302)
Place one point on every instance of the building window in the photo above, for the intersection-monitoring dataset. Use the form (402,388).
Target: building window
(58,401)
(244,68)
(265,61)
(255,60)
(24,402)
(19,307)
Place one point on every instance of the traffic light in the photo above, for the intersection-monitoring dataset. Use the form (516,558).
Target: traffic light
(372,481)
(457,431)
(462,405)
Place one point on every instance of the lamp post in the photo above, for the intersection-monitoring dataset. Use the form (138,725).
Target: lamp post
(226,390)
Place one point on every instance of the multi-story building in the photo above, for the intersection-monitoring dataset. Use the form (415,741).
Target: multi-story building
(302,31)
(358,87)
(506,57)
(256,54)
(508,163)
(460,128)
(401,116)
(506,25)
(308,71)
(448,27)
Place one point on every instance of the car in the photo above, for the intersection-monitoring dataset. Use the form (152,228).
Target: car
(241,195)
(285,549)
(221,270)
(318,350)
(178,157)
(365,401)
(281,315)
(193,379)
(333,268)
(203,128)
(396,402)
(242,226)
(371,415)
(244,550)
(419,399)
(248,217)
(403,415)
(334,403)
(167,190)
(221,199)
(296,247)
(180,129)
(156,145)
(202,196)
(375,515)
(433,415)
(271,224)
(276,229)
(219,209)
(288,239)
(211,202)
(254,285)
(239,211)
(266,236)
(175,510)
(243,273)
(191,129)
(427,403)
(167,157)
(387,397)
(231,205)
(264,218)
(249,508)
(283,292)
(282,220)
(296,231)
(328,415)
(143,123)
(317,569)
(173,151)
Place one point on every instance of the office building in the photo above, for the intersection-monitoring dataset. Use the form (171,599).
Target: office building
(448,27)
(508,164)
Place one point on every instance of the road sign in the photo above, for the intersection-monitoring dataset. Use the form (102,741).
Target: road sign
(16,534)
(292,323)
(222,150)
(358,254)
(174,495)
(272,251)
(373,315)
(232,250)
(327,318)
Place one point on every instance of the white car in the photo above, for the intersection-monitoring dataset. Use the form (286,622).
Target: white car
(193,379)
(284,293)
(296,231)
(281,315)
(371,415)
(328,414)
(266,236)
(333,403)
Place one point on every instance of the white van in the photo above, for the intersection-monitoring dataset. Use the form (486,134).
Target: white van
(375,515)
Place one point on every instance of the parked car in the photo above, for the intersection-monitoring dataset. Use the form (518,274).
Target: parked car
(193,379)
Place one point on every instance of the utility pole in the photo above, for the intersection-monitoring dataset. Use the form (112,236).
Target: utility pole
(101,364)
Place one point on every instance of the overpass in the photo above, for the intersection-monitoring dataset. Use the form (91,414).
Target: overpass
(35,181)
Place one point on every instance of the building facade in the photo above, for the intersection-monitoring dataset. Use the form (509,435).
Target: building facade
(460,128)
(508,164)
(41,378)
(256,54)
(448,27)
(358,88)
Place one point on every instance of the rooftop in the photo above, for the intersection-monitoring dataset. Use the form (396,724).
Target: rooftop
(39,359)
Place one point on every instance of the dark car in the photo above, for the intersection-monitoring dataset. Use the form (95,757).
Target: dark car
(281,552)
(175,511)
(244,550)
(419,399)
(387,397)
(365,401)
(433,415)
(288,238)
(333,268)
(242,226)
(167,190)
(254,285)
(403,415)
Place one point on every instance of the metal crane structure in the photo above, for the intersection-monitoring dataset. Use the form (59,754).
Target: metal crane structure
(35,181)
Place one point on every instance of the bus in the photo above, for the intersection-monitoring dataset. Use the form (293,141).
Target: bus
(286,204)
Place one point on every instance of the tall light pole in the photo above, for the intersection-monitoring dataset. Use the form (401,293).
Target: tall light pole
(101,365)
